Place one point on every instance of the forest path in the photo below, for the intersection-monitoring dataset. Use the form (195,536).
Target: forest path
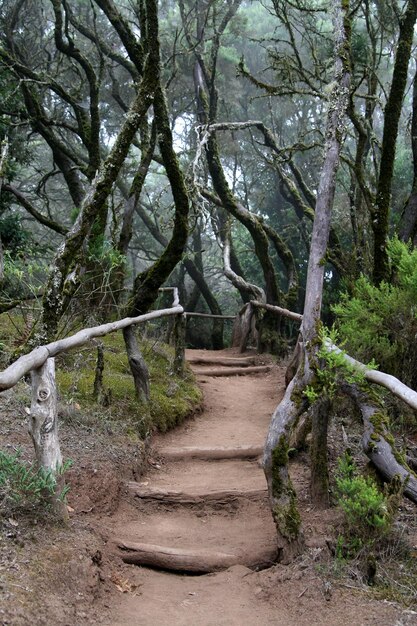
(203,508)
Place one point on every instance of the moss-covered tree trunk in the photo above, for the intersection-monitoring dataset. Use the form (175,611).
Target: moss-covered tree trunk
(408,225)
(137,364)
(69,261)
(392,113)
(146,284)
(281,492)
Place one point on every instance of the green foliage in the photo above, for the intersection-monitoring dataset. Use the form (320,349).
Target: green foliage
(367,511)
(22,277)
(13,236)
(104,252)
(331,367)
(22,487)
(381,321)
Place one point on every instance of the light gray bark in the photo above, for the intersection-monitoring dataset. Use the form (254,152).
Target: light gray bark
(43,417)
(35,359)
(281,492)
(43,428)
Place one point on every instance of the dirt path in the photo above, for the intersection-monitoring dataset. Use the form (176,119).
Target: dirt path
(203,508)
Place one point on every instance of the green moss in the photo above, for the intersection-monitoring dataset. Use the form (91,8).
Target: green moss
(172,398)
(399,457)
(279,460)
(286,515)
(287,518)
(280,453)
(380,421)
(298,397)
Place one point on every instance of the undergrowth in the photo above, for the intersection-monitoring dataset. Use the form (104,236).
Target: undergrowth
(380,322)
(368,512)
(23,487)
(172,398)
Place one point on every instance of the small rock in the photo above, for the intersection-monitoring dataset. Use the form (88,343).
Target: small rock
(327,590)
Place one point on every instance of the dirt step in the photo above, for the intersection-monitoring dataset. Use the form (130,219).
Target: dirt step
(233,371)
(205,476)
(249,536)
(193,497)
(180,560)
(210,453)
(227,362)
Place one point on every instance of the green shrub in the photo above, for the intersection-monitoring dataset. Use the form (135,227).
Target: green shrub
(380,322)
(13,236)
(367,511)
(23,487)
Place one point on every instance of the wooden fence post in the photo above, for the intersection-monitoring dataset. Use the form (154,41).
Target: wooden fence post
(138,367)
(179,343)
(43,427)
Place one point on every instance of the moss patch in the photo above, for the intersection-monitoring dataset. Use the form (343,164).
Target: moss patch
(172,398)
(287,518)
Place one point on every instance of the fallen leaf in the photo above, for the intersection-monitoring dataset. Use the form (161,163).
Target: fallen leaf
(122,584)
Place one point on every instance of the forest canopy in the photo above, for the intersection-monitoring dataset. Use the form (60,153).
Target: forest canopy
(183,143)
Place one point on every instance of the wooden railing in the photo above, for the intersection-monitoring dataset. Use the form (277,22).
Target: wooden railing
(40,363)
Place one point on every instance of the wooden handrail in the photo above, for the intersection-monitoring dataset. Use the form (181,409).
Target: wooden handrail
(35,359)
(277,309)
(209,315)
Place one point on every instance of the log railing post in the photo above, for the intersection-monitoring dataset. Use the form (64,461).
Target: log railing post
(43,427)
(179,344)
(138,367)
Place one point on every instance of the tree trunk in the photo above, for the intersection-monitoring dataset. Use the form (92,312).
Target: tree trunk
(138,367)
(70,258)
(179,344)
(147,284)
(244,327)
(3,161)
(392,113)
(318,453)
(408,224)
(98,376)
(281,492)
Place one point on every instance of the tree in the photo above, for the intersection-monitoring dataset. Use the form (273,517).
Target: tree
(91,170)
(282,495)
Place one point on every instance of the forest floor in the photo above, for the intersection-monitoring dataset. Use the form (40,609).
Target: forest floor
(191,508)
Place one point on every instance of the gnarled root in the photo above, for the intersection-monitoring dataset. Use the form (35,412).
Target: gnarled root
(275,462)
(378,443)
